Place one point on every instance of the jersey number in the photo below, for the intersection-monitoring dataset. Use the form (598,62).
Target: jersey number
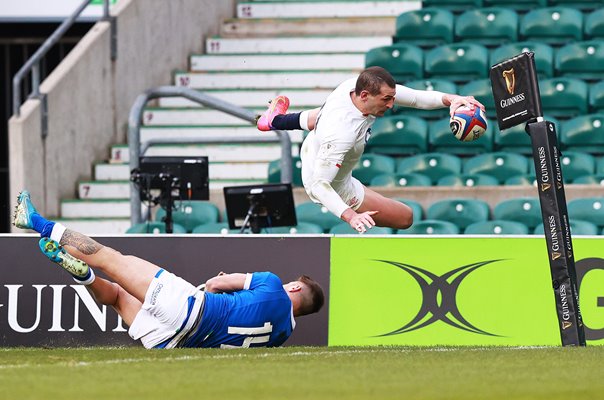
(253,335)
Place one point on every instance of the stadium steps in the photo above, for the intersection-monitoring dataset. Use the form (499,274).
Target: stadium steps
(247,71)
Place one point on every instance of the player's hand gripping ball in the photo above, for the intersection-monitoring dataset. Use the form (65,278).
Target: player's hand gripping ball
(468,124)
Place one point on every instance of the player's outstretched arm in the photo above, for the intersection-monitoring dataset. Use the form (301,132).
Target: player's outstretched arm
(226,283)
(454,101)
(432,99)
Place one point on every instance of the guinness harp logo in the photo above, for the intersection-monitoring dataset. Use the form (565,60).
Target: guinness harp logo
(556,255)
(510,80)
(545,186)
(566,324)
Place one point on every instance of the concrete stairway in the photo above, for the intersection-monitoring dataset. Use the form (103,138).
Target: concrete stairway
(303,51)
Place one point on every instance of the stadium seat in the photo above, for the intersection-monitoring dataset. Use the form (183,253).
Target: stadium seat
(462,212)
(564,97)
(442,140)
(492,26)
(433,165)
(544,55)
(441,85)
(521,180)
(430,227)
(600,166)
(596,179)
(587,209)
(397,180)
(515,139)
(345,229)
(455,6)
(403,61)
(418,210)
(577,227)
(497,227)
(575,164)
(467,180)
(398,135)
(372,165)
(584,60)
(481,90)
(154,227)
(301,228)
(215,228)
(459,62)
(594,25)
(316,214)
(518,5)
(190,214)
(526,210)
(500,165)
(584,133)
(584,5)
(596,97)
(427,27)
(552,25)
(274,171)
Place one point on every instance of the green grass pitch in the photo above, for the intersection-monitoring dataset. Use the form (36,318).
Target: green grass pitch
(303,373)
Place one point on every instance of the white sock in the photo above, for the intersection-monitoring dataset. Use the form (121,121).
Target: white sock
(57,232)
(88,280)
(304,120)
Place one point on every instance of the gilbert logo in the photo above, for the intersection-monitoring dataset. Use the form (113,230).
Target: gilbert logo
(545,187)
(439,295)
(566,324)
(510,80)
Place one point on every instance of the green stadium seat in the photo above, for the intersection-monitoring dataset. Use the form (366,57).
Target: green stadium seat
(500,165)
(587,209)
(594,25)
(430,227)
(433,165)
(492,26)
(418,210)
(398,180)
(552,25)
(442,140)
(459,62)
(584,133)
(427,27)
(521,180)
(596,179)
(189,214)
(274,171)
(515,139)
(462,211)
(403,61)
(518,5)
(455,6)
(575,164)
(215,228)
(345,229)
(564,97)
(584,60)
(316,214)
(497,227)
(441,85)
(481,90)
(154,227)
(301,228)
(526,210)
(577,227)
(600,166)
(372,165)
(544,55)
(583,5)
(398,135)
(467,180)
(596,97)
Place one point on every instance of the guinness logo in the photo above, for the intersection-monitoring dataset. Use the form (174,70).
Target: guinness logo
(510,80)
(556,255)
(566,324)
(439,298)
(559,185)
(545,186)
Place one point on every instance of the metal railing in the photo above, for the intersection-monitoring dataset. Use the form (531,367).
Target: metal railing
(33,64)
(136,148)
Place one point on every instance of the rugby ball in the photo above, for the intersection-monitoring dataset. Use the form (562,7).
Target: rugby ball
(468,124)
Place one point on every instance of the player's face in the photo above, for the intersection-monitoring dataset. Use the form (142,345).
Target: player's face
(377,105)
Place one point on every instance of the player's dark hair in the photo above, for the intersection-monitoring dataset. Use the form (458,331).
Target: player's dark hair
(315,299)
(372,79)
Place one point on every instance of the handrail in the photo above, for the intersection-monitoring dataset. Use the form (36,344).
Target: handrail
(136,148)
(33,64)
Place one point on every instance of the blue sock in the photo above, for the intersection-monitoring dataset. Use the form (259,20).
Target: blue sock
(286,122)
(42,225)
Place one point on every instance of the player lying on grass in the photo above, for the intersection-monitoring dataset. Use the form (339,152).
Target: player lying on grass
(165,311)
(339,131)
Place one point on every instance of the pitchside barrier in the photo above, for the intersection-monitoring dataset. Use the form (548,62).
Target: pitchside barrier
(517,100)
(389,290)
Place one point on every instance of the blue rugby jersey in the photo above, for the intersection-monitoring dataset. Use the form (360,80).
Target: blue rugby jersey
(257,316)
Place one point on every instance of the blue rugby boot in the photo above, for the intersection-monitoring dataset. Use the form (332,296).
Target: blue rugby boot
(57,254)
(24,211)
